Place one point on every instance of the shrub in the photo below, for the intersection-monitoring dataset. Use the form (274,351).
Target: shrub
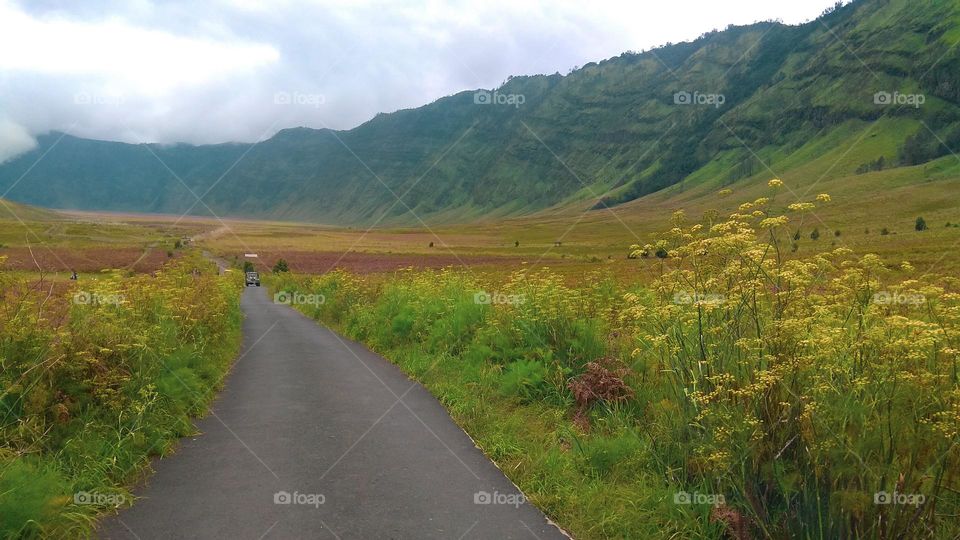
(771,389)
(601,381)
(32,496)
(119,377)
(526,379)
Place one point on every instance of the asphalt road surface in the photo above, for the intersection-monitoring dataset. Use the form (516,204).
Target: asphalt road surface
(314,436)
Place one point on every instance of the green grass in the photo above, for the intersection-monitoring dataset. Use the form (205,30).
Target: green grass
(766,398)
(507,393)
(92,392)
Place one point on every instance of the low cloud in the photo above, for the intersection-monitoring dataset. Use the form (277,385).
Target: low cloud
(14,140)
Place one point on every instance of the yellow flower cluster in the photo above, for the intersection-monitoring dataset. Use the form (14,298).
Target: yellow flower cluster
(796,360)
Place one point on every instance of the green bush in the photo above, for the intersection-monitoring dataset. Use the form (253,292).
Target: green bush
(31,496)
(526,379)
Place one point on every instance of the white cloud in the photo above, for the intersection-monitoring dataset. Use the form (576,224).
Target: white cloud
(14,140)
(148,61)
(202,72)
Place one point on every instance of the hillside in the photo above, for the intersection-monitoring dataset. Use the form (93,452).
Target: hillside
(11,211)
(605,134)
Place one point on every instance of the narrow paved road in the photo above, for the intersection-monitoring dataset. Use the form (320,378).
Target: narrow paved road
(362,451)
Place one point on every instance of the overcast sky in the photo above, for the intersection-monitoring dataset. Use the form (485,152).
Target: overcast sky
(239,70)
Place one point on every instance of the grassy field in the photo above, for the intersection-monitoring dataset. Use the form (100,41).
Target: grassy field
(618,383)
(568,238)
(98,376)
(738,391)
(871,212)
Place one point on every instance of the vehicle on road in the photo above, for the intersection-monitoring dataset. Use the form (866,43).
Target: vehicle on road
(253,278)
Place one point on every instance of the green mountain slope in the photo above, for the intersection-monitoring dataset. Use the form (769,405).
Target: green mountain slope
(605,134)
(11,211)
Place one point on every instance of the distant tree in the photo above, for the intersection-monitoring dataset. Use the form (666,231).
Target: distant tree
(921,224)
(431,244)
(815,234)
(831,9)
(247,266)
(884,231)
(281,266)
(876,165)
(662,253)
(796,235)
(836,232)
(516,243)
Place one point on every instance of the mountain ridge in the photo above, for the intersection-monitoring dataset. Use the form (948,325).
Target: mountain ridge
(607,133)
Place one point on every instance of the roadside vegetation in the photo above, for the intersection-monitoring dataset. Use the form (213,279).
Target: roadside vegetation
(747,391)
(97,376)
